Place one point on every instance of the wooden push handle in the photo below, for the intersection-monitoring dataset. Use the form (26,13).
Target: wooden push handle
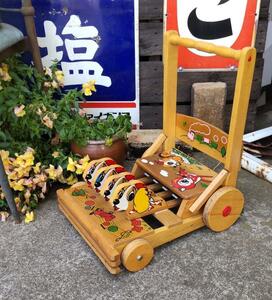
(176,40)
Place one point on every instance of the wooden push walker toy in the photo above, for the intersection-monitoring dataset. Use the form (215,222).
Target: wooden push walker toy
(124,215)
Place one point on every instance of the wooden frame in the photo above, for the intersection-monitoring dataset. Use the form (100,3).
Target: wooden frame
(188,202)
(30,43)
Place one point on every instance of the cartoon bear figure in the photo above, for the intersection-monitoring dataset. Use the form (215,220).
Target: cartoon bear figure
(186,181)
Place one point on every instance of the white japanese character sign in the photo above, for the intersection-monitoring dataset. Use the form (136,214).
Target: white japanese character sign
(217,21)
(81,50)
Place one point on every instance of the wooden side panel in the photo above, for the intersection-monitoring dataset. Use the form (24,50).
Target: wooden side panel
(202,136)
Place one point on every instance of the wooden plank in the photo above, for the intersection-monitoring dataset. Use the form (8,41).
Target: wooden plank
(167,218)
(151,37)
(264,10)
(151,115)
(112,267)
(151,10)
(151,81)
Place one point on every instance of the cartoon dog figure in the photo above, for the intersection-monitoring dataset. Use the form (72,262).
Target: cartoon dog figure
(186,181)
(113,181)
(94,166)
(103,173)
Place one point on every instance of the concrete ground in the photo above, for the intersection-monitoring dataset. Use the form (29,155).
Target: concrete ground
(48,259)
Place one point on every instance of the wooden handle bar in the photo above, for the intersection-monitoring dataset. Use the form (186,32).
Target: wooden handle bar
(205,47)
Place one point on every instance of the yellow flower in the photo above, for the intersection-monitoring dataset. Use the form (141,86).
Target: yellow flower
(27,195)
(55,154)
(60,77)
(52,172)
(79,169)
(4,73)
(48,71)
(47,84)
(29,217)
(5,158)
(17,200)
(37,168)
(47,122)
(71,165)
(54,84)
(88,88)
(28,182)
(13,176)
(19,111)
(18,185)
(71,180)
(84,161)
(3,216)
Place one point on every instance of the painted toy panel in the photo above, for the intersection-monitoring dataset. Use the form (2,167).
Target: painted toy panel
(179,172)
(110,227)
(94,166)
(136,199)
(103,173)
(202,136)
(112,182)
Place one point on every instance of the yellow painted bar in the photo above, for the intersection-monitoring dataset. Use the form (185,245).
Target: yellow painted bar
(239,113)
(205,47)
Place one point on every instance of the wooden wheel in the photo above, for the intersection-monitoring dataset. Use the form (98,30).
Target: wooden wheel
(137,254)
(223,208)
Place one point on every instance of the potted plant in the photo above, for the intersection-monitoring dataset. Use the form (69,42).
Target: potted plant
(104,138)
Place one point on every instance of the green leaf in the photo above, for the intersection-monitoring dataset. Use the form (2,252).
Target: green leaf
(223,151)
(77,193)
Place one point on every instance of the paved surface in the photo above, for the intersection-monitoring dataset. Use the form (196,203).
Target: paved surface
(47,259)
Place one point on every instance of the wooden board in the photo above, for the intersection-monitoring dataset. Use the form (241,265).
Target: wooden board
(152,115)
(179,173)
(97,217)
(202,136)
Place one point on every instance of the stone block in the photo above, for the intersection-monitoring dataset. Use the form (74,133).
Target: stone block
(209,102)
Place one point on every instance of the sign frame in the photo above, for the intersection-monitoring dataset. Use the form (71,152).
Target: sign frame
(233,65)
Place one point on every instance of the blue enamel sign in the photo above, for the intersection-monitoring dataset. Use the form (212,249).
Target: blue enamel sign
(92,40)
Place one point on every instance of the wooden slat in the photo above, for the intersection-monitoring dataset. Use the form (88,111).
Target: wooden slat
(151,37)
(264,10)
(151,115)
(151,74)
(154,187)
(167,218)
(151,9)
(164,194)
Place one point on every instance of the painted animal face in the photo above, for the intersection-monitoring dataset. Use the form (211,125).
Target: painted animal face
(102,177)
(124,197)
(96,166)
(115,182)
(186,181)
(171,163)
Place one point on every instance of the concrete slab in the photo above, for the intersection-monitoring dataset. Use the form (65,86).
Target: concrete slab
(48,259)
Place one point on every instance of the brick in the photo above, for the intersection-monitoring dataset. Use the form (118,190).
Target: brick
(209,102)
